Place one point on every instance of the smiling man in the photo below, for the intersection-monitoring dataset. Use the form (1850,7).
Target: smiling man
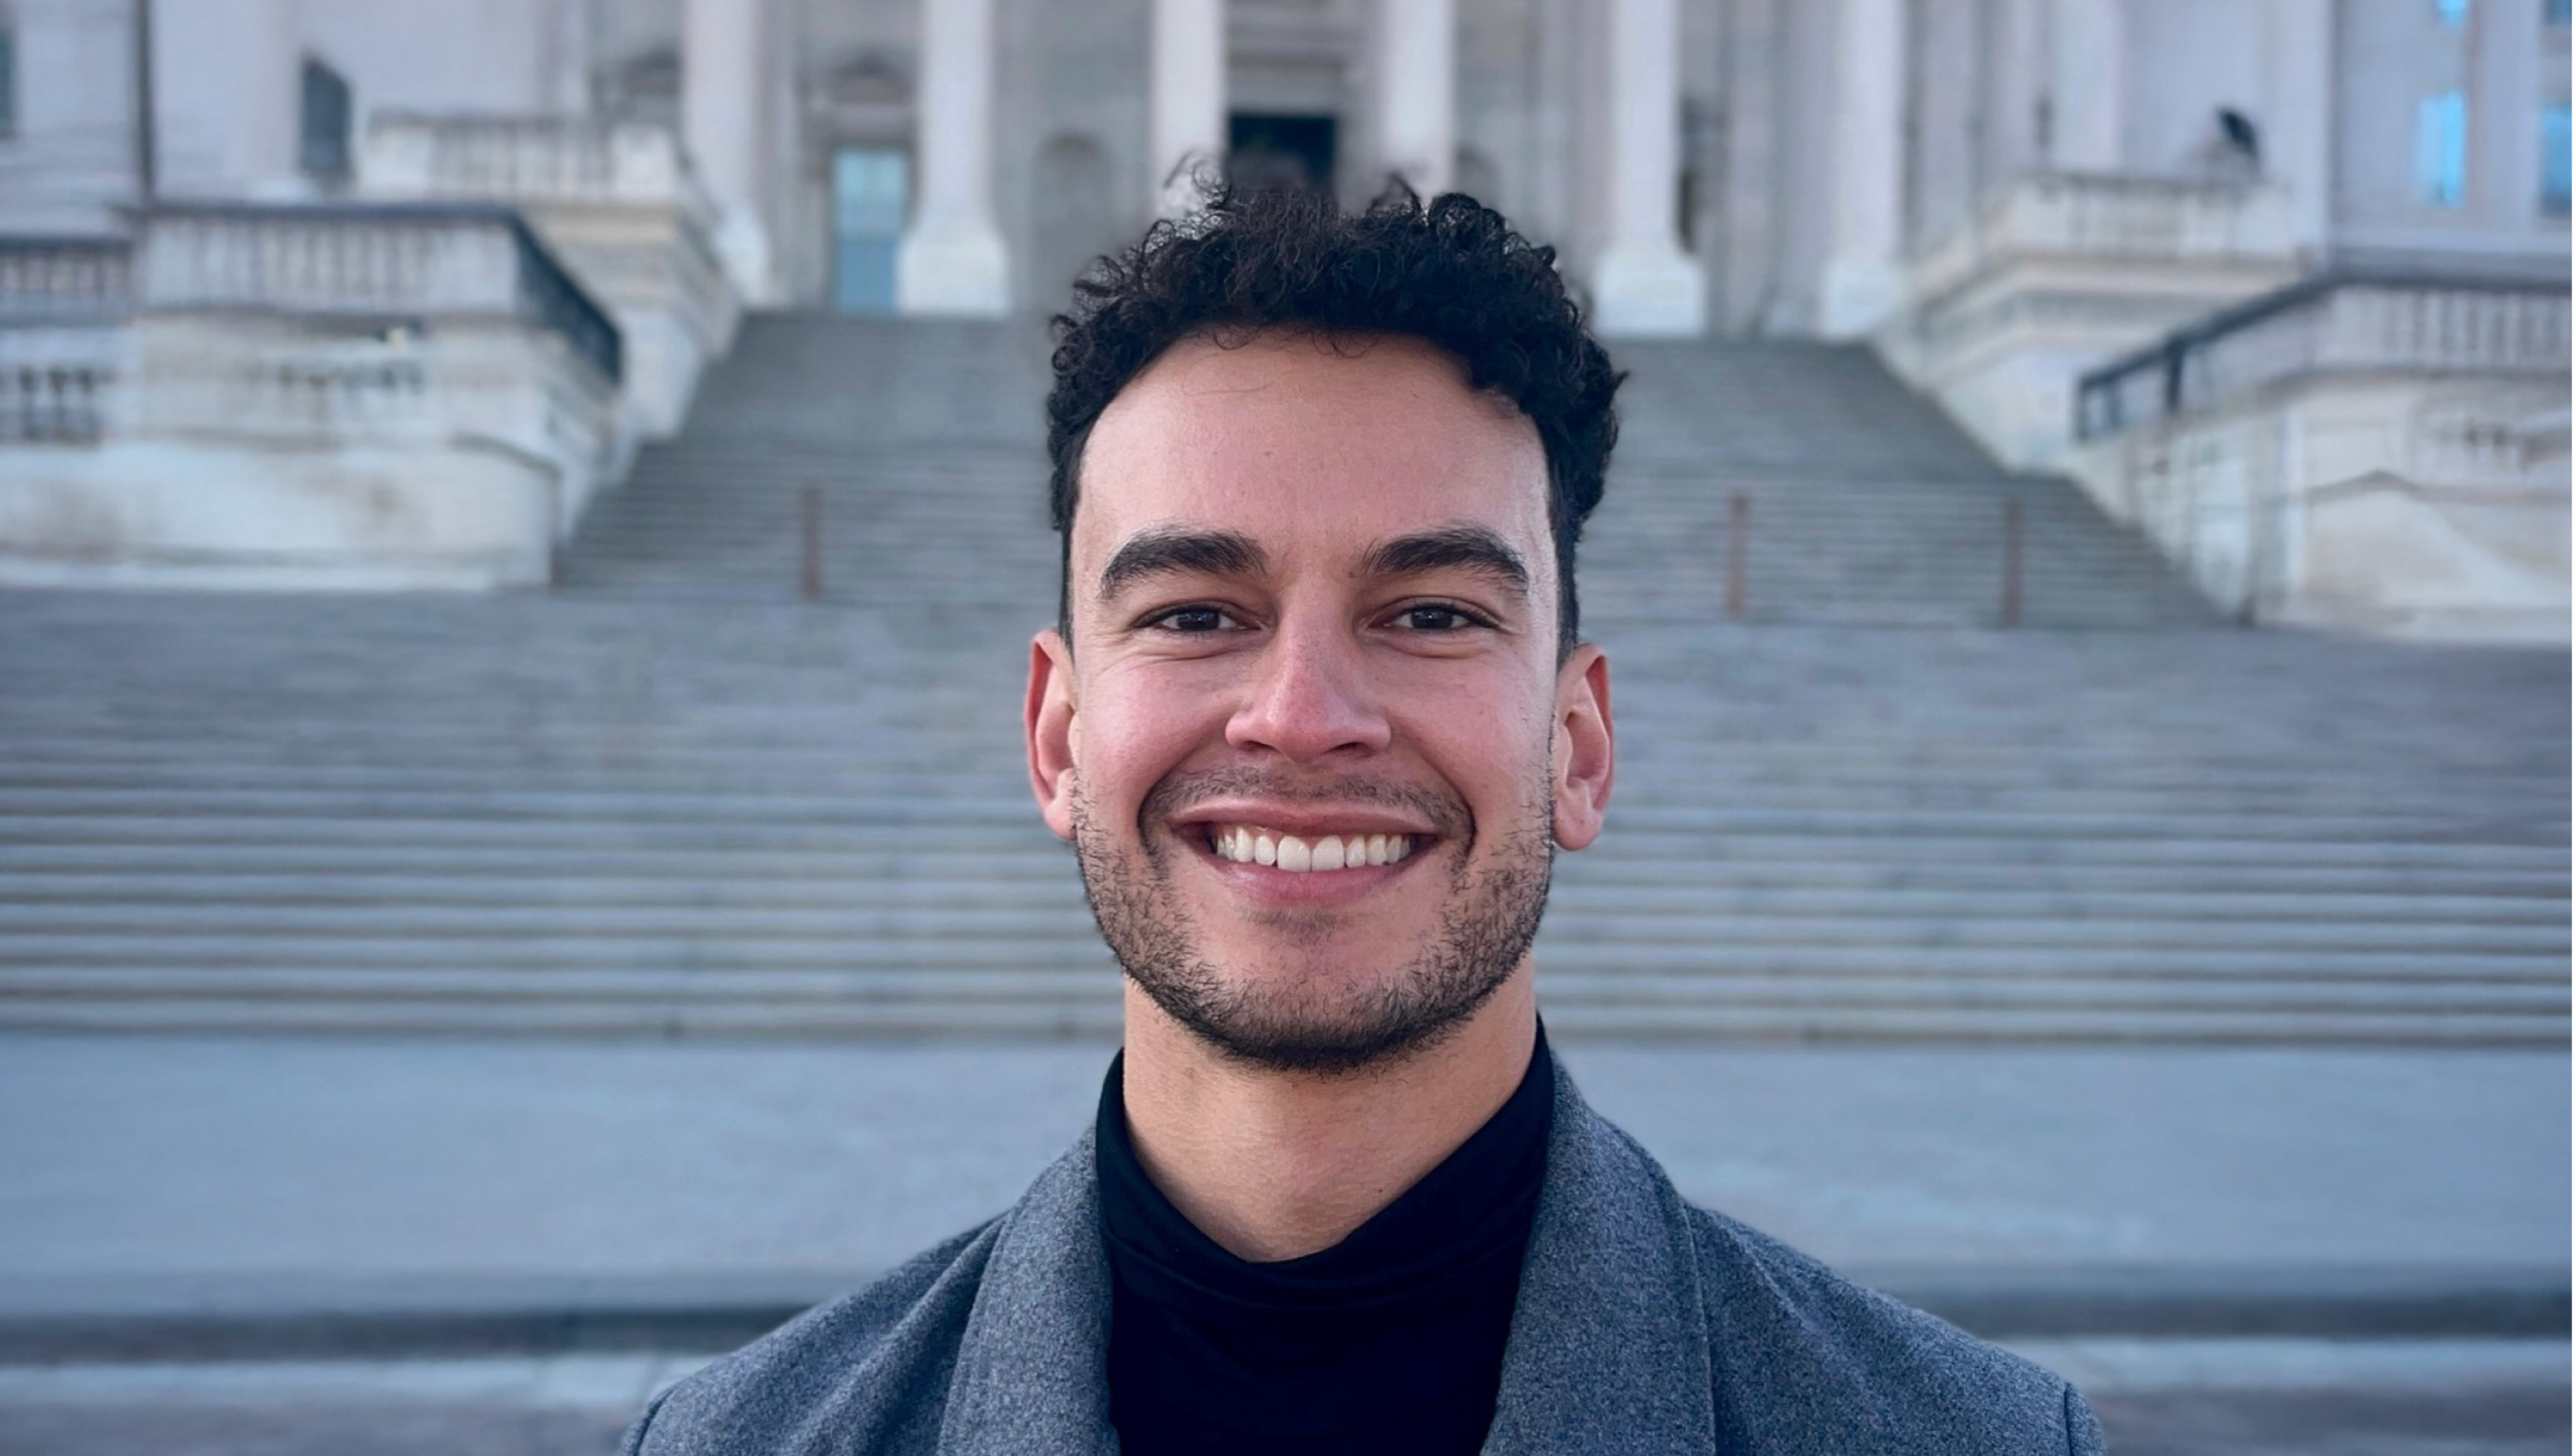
(1317,717)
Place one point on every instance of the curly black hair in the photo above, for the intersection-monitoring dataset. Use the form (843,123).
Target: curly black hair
(1450,272)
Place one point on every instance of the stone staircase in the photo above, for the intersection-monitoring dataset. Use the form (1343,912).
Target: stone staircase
(671,798)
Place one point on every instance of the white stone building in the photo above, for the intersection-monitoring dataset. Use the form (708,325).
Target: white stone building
(208,207)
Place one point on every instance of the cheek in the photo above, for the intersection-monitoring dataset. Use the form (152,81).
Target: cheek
(1491,748)
(1129,737)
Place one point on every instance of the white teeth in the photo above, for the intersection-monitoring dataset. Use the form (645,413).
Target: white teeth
(1245,844)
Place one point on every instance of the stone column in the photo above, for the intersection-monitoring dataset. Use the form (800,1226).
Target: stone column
(2085,94)
(2297,123)
(1643,285)
(1416,91)
(952,261)
(1863,282)
(568,58)
(1188,128)
(723,112)
(228,99)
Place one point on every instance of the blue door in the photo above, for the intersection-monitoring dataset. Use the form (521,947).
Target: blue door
(870,193)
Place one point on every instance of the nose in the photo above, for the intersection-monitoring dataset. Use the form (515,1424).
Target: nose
(1310,696)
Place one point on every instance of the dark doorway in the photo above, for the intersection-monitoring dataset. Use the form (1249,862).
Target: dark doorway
(1281,151)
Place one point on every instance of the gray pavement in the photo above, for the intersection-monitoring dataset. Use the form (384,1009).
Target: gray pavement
(156,1168)
(269,1178)
(2156,1398)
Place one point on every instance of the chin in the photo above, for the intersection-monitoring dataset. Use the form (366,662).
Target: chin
(1309,1020)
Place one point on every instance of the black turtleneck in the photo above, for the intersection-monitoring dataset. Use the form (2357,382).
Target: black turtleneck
(1389,1341)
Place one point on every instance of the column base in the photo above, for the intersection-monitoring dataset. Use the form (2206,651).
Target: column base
(742,246)
(956,270)
(1856,296)
(1647,291)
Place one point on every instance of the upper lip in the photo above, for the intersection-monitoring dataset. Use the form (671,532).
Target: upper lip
(1305,821)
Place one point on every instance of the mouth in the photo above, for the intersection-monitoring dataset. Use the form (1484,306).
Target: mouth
(1307,854)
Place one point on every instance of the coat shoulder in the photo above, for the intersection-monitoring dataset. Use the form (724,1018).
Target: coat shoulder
(1809,1360)
(867,1372)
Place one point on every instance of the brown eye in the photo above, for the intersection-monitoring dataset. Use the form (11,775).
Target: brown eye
(1192,619)
(1436,619)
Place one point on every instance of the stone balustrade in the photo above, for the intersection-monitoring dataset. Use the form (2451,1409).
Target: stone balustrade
(2334,322)
(63,303)
(2367,451)
(374,261)
(2058,271)
(371,396)
(618,202)
(2088,216)
(533,159)
(65,280)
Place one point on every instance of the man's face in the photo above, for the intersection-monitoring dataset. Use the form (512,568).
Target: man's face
(1313,605)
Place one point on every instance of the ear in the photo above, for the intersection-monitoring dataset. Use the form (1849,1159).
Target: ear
(1584,763)
(1050,730)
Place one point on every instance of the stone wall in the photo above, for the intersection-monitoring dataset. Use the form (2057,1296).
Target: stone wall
(2059,272)
(310,398)
(2378,455)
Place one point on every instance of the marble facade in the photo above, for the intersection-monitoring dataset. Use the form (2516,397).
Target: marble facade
(1997,195)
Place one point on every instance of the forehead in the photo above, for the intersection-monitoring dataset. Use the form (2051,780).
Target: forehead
(1312,447)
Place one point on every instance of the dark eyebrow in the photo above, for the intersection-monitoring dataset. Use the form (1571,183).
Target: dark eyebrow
(1473,548)
(1205,553)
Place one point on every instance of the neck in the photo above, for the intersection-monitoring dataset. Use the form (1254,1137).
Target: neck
(1275,1165)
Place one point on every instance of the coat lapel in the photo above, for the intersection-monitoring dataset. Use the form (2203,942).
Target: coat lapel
(1033,1368)
(1609,1348)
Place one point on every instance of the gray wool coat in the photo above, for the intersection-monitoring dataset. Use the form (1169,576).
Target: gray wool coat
(1644,1325)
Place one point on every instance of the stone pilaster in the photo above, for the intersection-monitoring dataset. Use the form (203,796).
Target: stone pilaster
(1643,285)
(724,118)
(2086,91)
(1862,281)
(1416,91)
(952,261)
(1188,128)
(228,83)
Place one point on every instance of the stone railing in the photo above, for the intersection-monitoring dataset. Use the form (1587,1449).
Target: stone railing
(2333,322)
(65,280)
(617,202)
(2369,450)
(2107,217)
(62,301)
(54,402)
(530,159)
(2057,272)
(382,261)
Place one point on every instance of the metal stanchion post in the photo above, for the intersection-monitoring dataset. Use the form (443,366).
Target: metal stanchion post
(1738,514)
(813,575)
(2011,561)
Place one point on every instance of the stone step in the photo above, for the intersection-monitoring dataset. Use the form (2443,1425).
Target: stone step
(1707,810)
(222,954)
(1934,1022)
(967,883)
(434,872)
(1062,915)
(1564,986)
(673,800)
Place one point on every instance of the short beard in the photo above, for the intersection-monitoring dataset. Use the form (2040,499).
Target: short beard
(1483,936)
